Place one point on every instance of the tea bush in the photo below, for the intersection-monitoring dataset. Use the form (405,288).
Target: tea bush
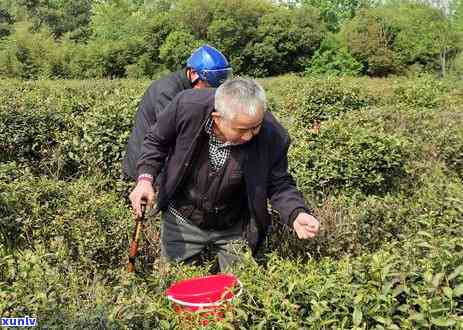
(355,223)
(308,100)
(290,94)
(67,130)
(98,139)
(87,225)
(424,92)
(346,157)
(398,287)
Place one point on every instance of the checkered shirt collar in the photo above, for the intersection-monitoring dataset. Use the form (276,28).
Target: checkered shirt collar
(214,139)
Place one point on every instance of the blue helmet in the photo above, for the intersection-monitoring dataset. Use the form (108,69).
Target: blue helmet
(210,64)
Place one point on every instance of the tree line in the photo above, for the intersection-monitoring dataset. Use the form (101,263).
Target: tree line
(80,39)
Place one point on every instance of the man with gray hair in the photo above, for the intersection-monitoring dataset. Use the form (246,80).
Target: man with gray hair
(220,157)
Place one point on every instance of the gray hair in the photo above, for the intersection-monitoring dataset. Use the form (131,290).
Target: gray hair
(239,95)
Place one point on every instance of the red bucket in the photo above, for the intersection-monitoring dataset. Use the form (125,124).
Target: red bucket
(206,295)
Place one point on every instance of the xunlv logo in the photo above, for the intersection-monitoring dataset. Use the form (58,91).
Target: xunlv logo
(25,321)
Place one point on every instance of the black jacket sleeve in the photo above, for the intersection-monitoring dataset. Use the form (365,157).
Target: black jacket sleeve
(153,103)
(157,96)
(158,141)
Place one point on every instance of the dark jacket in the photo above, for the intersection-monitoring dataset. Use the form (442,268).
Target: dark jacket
(155,99)
(212,199)
(169,145)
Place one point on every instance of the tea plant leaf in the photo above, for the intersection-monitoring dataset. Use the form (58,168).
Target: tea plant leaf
(456,272)
(443,322)
(357,316)
(437,279)
(382,320)
(328,322)
(428,277)
(448,292)
(291,287)
(458,291)
(241,314)
(425,234)
(425,245)
(417,317)
(261,325)
(403,308)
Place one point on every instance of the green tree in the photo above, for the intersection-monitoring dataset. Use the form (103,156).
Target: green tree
(157,29)
(234,26)
(36,10)
(118,37)
(369,39)
(228,25)
(74,18)
(457,20)
(61,16)
(334,59)
(117,20)
(399,36)
(32,55)
(14,9)
(285,41)
(446,43)
(336,12)
(194,15)
(458,16)
(176,49)
(423,35)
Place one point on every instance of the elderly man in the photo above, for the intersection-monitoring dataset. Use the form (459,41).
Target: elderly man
(220,157)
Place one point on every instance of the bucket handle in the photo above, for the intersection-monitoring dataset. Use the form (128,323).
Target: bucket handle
(213,304)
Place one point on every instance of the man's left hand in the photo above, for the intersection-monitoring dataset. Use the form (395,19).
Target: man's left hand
(306,226)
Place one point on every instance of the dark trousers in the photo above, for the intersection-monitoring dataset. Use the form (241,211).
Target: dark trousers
(182,241)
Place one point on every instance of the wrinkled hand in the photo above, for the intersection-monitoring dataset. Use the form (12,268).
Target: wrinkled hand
(306,226)
(143,191)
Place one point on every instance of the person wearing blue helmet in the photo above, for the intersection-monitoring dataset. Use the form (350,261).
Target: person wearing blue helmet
(210,65)
(206,67)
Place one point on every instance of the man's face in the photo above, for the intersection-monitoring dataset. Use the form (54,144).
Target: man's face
(241,129)
(194,77)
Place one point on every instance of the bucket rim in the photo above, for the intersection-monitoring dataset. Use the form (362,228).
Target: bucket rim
(217,303)
(173,289)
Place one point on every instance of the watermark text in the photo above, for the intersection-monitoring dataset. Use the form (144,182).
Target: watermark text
(25,321)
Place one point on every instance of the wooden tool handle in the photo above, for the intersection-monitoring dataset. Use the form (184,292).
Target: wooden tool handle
(133,251)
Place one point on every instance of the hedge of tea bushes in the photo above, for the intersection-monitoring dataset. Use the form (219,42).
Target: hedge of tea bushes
(384,173)
(67,129)
(318,99)
(414,284)
(77,218)
(376,150)
(55,212)
(354,223)
(75,128)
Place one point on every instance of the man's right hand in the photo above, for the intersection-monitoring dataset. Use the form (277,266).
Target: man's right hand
(143,191)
